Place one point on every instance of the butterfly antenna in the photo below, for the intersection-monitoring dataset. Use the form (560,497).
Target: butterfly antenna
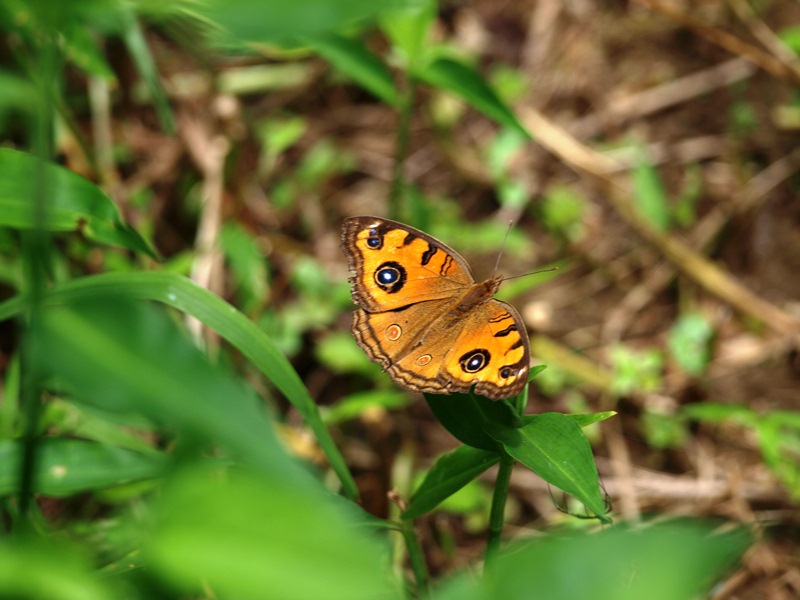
(502,247)
(534,273)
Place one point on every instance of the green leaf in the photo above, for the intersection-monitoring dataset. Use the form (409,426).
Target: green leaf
(182,294)
(83,49)
(464,81)
(791,37)
(72,203)
(713,412)
(260,537)
(677,560)
(467,416)
(777,432)
(553,446)
(49,568)
(146,65)
(355,405)
(779,441)
(68,466)
(247,264)
(17,97)
(129,357)
(562,211)
(589,419)
(650,196)
(636,370)
(535,370)
(286,22)
(689,343)
(450,473)
(407,27)
(354,59)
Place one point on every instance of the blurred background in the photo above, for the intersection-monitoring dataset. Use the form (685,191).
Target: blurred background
(651,156)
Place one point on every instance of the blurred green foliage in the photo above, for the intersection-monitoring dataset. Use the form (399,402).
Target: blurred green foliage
(174,481)
(689,343)
(636,370)
(777,435)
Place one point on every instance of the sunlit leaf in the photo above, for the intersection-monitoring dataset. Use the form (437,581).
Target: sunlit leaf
(128,357)
(249,537)
(679,560)
(39,568)
(553,446)
(179,292)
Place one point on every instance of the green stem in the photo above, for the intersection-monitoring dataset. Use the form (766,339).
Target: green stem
(36,253)
(401,153)
(415,558)
(498,508)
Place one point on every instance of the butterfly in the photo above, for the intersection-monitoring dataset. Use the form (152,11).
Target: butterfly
(423,317)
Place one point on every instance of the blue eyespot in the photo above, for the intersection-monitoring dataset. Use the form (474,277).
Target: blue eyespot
(474,360)
(375,240)
(390,277)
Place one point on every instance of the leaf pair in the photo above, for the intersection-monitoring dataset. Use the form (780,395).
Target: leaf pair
(550,444)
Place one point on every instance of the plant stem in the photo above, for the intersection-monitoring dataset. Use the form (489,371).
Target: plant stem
(36,254)
(415,558)
(498,508)
(401,152)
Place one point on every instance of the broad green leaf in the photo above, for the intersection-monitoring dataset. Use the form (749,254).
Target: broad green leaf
(72,203)
(354,59)
(33,568)
(464,81)
(677,560)
(650,196)
(467,416)
(69,466)
(129,357)
(553,446)
(450,473)
(260,537)
(182,294)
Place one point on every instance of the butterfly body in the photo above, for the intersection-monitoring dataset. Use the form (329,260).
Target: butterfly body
(425,319)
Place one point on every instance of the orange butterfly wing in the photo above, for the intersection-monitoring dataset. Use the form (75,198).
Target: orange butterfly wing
(423,317)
